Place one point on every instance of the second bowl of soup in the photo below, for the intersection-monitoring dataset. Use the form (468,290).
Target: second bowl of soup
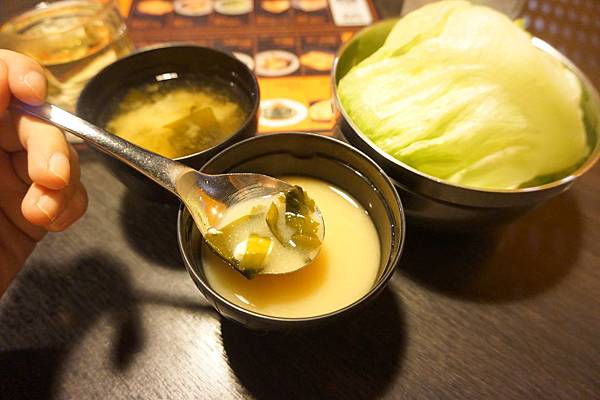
(184,102)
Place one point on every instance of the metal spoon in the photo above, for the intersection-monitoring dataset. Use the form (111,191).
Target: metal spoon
(207,197)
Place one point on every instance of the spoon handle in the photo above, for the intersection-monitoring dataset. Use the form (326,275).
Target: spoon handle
(161,170)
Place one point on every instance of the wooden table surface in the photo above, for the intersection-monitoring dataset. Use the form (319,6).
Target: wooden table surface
(106,310)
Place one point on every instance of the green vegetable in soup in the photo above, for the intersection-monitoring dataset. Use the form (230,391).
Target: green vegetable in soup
(257,250)
(201,127)
(256,247)
(458,91)
(297,202)
(282,224)
(298,210)
(220,239)
(179,117)
(302,228)
(272,218)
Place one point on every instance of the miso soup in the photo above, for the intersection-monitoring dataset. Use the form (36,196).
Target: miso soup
(179,117)
(345,269)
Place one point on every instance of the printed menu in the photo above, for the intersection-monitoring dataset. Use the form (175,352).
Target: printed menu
(289,44)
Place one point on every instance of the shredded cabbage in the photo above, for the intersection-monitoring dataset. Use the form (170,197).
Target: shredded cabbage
(458,91)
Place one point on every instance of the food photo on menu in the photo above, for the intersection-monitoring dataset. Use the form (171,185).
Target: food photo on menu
(304,199)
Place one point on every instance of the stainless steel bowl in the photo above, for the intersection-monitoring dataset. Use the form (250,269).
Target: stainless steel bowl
(432,202)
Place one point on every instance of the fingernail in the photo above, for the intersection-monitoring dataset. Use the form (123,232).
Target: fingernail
(44,204)
(37,83)
(57,164)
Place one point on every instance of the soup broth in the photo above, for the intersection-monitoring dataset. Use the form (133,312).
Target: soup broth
(179,117)
(345,269)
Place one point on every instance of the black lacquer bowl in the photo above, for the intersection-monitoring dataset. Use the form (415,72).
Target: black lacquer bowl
(101,95)
(314,156)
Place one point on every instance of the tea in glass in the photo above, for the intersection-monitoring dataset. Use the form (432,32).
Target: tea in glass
(72,40)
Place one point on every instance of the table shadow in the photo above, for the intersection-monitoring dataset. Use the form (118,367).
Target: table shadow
(357,358)
(48,311)
(515,262)
(151,229)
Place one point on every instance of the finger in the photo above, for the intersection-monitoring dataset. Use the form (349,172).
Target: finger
(11,207)
(9,181)
(26,78)
(41,206)
(4,88)
(13,257)
(48,152)
(19,165)
(77,200)
(9,141)
(74,166)
(75,208)
(45,207)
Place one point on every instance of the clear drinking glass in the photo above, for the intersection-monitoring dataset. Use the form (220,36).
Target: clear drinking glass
(512,8)
(71,39)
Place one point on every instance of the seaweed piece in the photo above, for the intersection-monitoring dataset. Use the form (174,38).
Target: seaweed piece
(272,218)
(298,202)
(196,130)
(309,242)
(298,208)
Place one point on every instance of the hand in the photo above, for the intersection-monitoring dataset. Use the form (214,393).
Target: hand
(40,189)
